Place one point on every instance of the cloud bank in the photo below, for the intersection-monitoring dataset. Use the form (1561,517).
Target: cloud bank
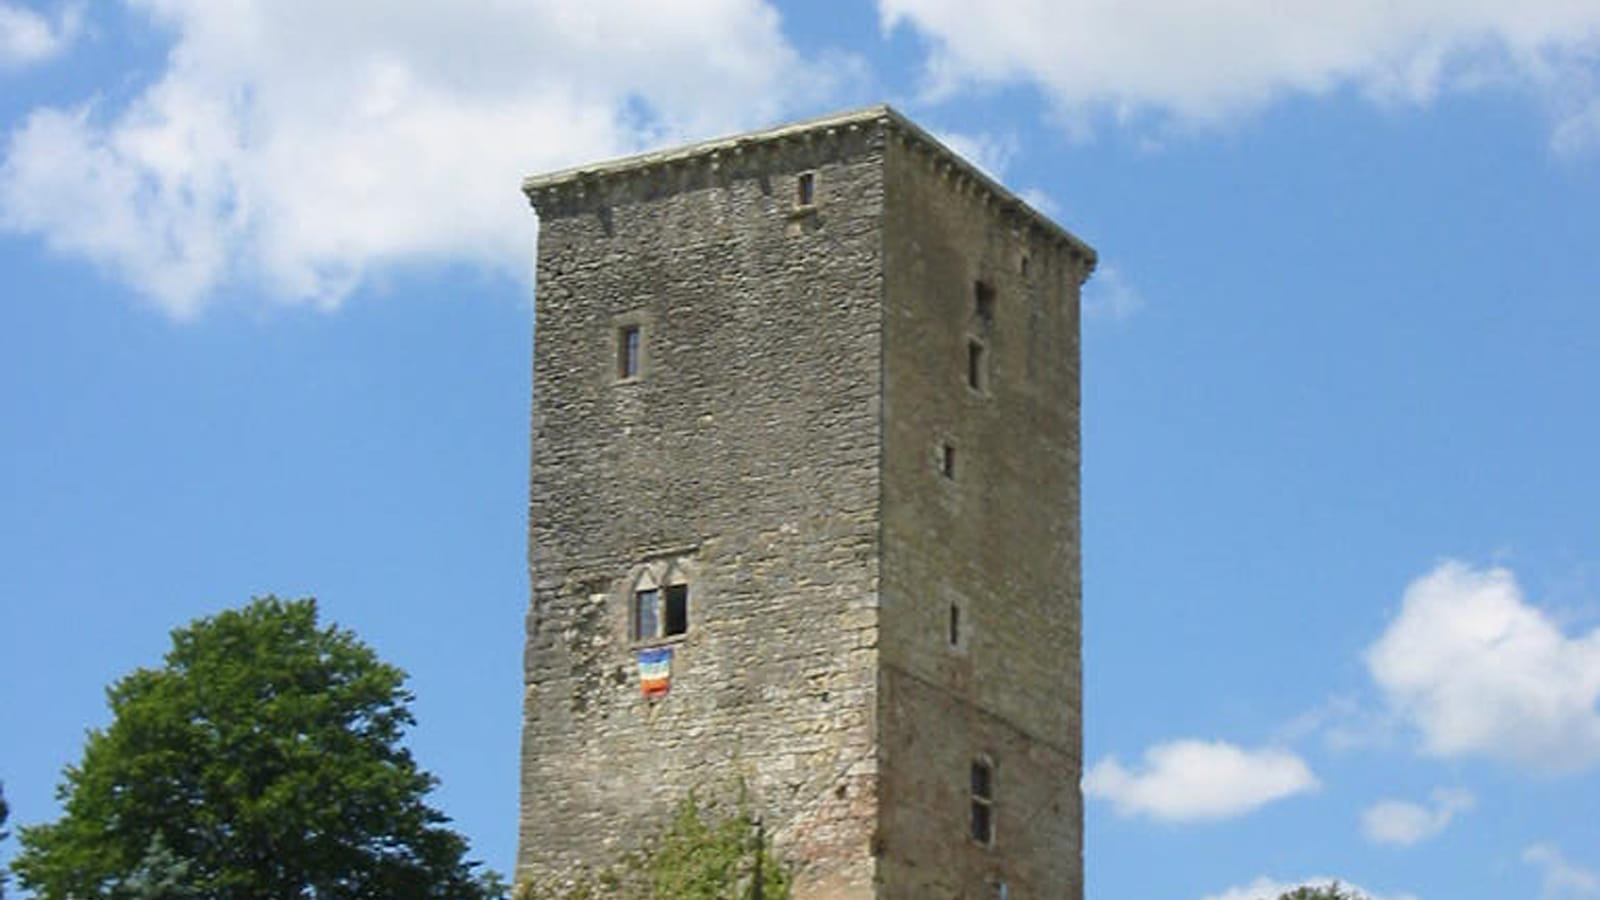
(1209,62)
(1191,780)
(1479,672)
(297,159)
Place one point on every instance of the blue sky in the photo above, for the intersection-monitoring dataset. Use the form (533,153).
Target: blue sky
(266,324)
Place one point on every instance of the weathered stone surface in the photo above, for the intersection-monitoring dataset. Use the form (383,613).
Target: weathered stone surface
(801,370)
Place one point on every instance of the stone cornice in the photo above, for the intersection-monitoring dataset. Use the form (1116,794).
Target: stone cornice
(592,186)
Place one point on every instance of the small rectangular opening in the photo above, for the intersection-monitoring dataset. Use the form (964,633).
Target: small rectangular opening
(675,618)
(983,300)
(982,828)
(982,802)
(646,625)
(947,460)
(955,625)
(805,189)
(628,348)
(975,365)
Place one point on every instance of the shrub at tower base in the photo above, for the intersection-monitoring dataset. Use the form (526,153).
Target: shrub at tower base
(262,759)
(700,855)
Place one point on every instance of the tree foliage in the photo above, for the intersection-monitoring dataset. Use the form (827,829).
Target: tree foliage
(699,855)
(262,759)
(160,875)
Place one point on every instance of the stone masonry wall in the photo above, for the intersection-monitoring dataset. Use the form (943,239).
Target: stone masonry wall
(745,459)
(998,537)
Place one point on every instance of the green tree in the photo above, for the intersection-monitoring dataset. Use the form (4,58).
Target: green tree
(160,875)
(261,760)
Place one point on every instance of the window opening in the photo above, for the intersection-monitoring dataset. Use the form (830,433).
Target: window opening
(1024,266)
(628,346)
(947,460)
(675,612)
(983,300)
(660,612)
(983,801)
(975,365)
(955,625)
(645,620)
(805,189)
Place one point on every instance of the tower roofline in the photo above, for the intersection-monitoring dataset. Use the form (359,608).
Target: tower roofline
(577,183)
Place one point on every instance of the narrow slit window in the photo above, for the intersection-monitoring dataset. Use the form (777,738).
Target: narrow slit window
(629,347)
(675,610)
(983,802)
(983,300)
(646,622)
(805,189)
(947,460)
(955,625)
(975,365)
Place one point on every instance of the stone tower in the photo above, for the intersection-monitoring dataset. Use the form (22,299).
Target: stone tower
(804,512)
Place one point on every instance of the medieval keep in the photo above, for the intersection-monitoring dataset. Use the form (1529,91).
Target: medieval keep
(804,513)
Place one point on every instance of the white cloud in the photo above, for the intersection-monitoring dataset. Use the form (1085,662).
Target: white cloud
(1108,295)
(1405,823)
(1579,132)
(1478,671)
(1041,201)
(297,145)
(1343,723)
(27,37)
(1270,889)
(1206,62)
(1560,877)
(990,152)
(1192,780)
